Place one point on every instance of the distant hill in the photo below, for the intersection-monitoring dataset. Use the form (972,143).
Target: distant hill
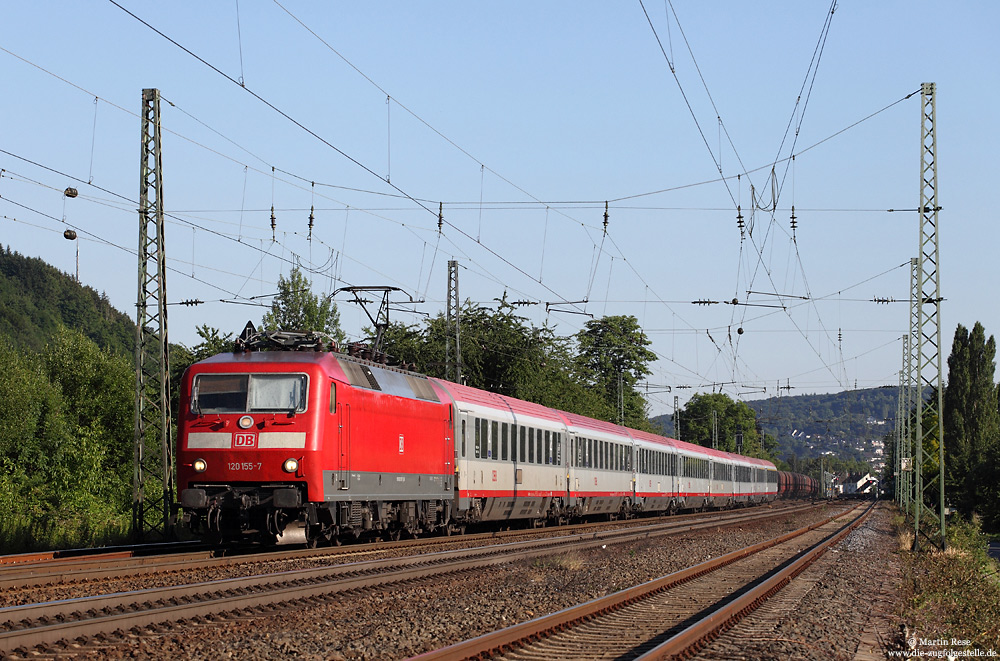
(845,423)
(35,298)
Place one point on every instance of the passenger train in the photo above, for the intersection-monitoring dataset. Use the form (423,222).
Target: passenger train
(347,447)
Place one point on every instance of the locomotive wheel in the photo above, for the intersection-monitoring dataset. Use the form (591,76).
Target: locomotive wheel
(315,537)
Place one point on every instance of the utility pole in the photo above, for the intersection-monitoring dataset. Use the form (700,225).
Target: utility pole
(912,387)
(897,467)
(454,307)
(929,368)
(152,460)
(715,430)
(621,400)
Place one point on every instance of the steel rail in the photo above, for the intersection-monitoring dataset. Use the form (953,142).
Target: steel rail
(694,637)
(48,623)
(511,638)
(95,568)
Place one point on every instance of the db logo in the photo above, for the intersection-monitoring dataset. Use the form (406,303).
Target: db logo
(244,440)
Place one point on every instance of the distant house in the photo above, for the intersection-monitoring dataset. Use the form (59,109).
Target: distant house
(860,484)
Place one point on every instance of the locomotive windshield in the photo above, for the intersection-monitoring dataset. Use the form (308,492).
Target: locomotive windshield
(248,393)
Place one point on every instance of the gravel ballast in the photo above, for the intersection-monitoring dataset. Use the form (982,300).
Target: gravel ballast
(396,622)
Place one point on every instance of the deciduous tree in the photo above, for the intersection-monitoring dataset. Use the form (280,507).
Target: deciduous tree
(733,418)
(296,307)
(612,359)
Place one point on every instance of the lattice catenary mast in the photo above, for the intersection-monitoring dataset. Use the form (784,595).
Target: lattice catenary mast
(928,349)
(152,476)
(454,307)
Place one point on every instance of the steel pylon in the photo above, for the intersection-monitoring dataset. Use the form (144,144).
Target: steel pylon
(928,502)
(152,474)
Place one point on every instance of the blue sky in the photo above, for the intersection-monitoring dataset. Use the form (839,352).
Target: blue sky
(522,119)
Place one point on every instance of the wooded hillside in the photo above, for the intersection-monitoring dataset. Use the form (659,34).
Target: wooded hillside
(36,298)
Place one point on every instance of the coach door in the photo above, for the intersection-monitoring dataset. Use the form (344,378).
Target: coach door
(449,448)
(344,446)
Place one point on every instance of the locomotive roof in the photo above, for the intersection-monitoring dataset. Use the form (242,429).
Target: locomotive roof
(268,357)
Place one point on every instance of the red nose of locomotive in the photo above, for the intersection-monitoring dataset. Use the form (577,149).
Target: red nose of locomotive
(246,447)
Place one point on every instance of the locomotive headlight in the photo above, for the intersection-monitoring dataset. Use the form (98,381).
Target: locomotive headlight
(291,465)
(245,422)
(199,465)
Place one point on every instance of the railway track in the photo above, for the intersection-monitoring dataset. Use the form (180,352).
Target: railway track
(666,618)
(23,629)
(40,569)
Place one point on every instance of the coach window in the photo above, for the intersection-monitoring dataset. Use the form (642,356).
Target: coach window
(558,443)
(513,442)
(538,446)
(548,448)
(521,454)
(503,441)
(463,438)
(495,441)
(485,424)
(477,439)
(531,445)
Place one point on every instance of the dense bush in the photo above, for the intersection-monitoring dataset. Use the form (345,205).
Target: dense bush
(955,594)
(65,444)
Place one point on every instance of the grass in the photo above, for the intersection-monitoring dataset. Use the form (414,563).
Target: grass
(21,534)
(569,561)
(953,594)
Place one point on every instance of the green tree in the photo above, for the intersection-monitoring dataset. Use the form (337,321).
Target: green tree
(296,307)
(972,423)
(612,359)
(65,443)
(502,353)
(733,418)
